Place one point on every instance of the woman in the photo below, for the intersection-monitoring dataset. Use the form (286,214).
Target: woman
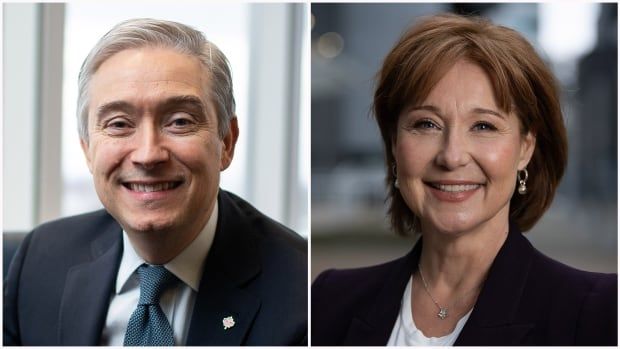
(475,148)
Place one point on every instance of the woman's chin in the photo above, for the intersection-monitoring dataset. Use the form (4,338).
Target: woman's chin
(453,226)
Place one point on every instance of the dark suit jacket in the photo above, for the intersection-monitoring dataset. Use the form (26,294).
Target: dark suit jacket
(527,299)
(60,282)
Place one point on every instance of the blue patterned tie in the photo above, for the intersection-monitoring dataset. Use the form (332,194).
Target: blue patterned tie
(148,324)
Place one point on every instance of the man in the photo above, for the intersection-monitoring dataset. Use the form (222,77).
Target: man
(172,260)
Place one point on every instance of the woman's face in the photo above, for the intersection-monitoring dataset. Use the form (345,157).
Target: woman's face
(458,154)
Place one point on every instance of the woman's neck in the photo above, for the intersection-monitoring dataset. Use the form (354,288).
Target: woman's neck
(456,262)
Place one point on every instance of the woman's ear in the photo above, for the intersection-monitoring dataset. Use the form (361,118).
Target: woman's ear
(528,144)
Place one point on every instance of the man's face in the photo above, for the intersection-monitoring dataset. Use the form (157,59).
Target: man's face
(153,148)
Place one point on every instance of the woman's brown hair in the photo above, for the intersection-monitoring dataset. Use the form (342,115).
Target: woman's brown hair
(522,83)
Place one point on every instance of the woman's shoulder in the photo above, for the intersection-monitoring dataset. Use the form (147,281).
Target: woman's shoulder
(364,279)
(564,275)
(520,256)
(588,298)
(341,296)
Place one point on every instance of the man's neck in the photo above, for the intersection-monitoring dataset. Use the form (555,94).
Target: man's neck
(160,247)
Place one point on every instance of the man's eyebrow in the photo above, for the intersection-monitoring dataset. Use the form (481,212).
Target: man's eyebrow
(194,105)
(171,102)
(181,100)
(114,106)
(488,111)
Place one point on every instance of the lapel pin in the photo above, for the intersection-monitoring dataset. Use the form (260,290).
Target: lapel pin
(228,322)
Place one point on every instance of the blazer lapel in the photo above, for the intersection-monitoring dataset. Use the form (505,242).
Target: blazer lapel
(493,319)
(224,308)
(87,291)
(373,326)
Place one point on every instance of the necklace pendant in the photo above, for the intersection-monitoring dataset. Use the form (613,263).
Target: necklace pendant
(443,313)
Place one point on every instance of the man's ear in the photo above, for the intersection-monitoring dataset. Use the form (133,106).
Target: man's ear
(84,145)
(528,144)
(229,141)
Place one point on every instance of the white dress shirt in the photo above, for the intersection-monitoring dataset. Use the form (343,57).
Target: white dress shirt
(405,332)
(176,302)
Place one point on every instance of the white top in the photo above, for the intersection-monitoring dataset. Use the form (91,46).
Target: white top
(177,302)
(405,332)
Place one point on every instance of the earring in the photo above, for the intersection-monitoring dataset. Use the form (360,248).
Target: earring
(522,178)
(396,185)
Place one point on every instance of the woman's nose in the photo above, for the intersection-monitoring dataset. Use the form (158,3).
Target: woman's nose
(454,151)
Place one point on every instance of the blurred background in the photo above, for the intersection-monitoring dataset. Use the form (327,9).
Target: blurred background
(348,44)
(44,173)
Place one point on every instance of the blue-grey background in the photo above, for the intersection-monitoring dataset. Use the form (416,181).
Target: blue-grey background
(349,42)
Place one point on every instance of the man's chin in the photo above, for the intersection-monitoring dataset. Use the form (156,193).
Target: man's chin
(149,226)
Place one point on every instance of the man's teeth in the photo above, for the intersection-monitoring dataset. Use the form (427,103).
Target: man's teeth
(456,188)
(151,187)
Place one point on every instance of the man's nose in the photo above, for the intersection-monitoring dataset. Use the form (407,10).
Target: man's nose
(149,148)
(454,151)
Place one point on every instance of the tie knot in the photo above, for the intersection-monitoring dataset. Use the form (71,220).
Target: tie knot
(154,279)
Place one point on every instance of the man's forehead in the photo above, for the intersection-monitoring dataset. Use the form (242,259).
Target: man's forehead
(149,73)
(151,64)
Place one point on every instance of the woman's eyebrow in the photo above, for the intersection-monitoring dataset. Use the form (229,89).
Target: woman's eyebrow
(488,111)
(433,109)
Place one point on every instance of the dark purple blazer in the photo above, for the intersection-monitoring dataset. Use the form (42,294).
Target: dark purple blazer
(527,299)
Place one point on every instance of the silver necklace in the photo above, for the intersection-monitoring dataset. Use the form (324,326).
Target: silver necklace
(443,312)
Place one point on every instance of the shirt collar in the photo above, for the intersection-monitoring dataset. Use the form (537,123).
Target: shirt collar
(187,265)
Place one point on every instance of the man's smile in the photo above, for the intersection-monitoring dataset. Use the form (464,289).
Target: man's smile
(152,186)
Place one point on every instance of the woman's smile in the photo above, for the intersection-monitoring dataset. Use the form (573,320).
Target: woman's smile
(453,192)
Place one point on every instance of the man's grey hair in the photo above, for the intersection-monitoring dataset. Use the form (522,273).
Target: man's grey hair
(145,32)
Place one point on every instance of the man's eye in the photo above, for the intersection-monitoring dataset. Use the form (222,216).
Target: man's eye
(118,127)
(118,124)
(181,122)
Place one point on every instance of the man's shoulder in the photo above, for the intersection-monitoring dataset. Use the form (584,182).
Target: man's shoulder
(278,260)
(84,225)
(69,238)
(269,230)
(86,218)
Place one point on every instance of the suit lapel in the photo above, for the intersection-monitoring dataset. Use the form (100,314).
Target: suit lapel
(87,291)
(373,326)
(232,263)
(494,318)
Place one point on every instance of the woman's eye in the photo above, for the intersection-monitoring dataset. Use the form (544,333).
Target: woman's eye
(484,126)
(425,124)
